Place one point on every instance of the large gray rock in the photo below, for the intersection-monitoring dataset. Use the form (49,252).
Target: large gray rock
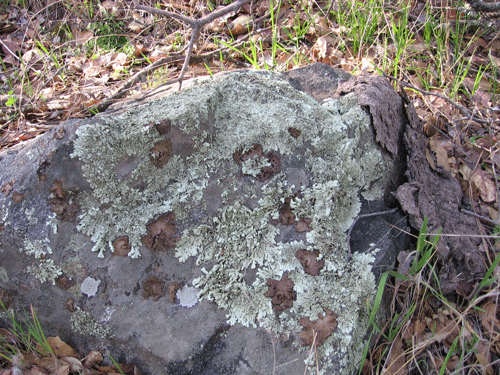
(241,188)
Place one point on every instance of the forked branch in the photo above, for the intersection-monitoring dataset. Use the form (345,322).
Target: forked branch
(195,24)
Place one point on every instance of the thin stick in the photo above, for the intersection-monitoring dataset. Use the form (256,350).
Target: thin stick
(310,351)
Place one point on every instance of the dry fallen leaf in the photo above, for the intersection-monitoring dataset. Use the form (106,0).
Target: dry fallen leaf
(320,48)
(485,184)
(441,153)
(483,355)
(396,359)
(60,348)
(487,314)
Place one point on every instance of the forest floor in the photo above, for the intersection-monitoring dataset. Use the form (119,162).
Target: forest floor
(67,59)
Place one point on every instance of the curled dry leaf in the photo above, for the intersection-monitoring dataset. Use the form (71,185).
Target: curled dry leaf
(322,47)
(488,317)
(75,365)
(241,25)
(483,355)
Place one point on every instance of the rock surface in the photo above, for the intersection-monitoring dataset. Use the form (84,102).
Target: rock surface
(192,234)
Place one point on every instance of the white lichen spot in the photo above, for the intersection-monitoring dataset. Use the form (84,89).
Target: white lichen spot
(188,296)
(89,286)
(107,314)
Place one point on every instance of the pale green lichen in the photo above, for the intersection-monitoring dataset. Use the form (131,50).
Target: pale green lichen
(45,271)
(210,123)
(52,222)
(3,275)
(30,214)
(82,322)
(37,248)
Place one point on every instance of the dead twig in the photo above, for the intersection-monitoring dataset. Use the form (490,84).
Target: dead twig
(313,347)
(195,24)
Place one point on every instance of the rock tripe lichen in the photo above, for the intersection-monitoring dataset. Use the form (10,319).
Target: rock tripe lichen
(223,210)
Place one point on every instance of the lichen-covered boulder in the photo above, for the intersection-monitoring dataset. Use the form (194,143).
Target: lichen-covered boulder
(227,202)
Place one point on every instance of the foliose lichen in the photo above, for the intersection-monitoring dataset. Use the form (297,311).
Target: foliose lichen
(83,323)
(227,209)
(37,248)
(45,271)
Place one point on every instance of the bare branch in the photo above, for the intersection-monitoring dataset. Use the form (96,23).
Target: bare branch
(165,13)
(196,25)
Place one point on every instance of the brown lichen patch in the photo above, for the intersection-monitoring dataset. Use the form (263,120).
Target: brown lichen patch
(153,287)
(7,187)
(60,203)
(323,327)
(5,298)
(70,305)
(281,292)
(256,152)
(42,169)
(287,217)
(64,282)
(162,233)
(58,190)
(310,262)
(160,153)
(163,127)
(303,225)
(121,246)
(17,197)
(172,289)
(294,132)
(60,133)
